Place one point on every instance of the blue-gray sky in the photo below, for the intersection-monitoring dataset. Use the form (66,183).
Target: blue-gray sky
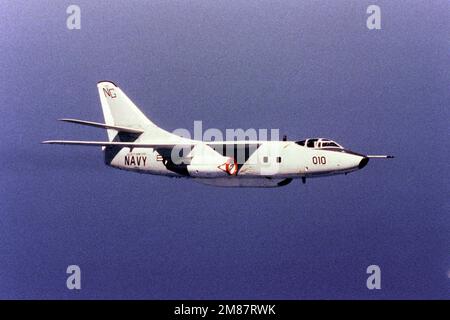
(309,68)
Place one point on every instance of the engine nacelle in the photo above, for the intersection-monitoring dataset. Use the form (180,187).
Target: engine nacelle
(206,169)
(209,164)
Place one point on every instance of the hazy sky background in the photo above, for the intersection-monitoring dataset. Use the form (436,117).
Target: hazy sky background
(309,68)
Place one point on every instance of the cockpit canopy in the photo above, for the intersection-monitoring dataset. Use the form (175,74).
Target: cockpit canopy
(319,143)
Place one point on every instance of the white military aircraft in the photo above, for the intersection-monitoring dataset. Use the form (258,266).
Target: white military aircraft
(136,144)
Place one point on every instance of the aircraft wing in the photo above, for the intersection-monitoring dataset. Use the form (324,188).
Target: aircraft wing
(118,144)
(153,144)
(233,143)
(243,148)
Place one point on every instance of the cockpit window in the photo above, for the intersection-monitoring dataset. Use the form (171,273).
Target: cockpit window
(329,144)
(318,143)
(310,143)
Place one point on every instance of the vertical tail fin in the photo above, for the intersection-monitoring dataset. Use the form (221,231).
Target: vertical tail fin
(119,110)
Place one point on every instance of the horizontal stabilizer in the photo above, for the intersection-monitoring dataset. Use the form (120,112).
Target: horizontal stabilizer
(103,125)
(118,144)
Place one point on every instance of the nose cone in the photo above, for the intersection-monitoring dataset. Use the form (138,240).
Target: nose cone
(364,161)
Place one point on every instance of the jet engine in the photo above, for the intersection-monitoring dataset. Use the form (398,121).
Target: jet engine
(207,163)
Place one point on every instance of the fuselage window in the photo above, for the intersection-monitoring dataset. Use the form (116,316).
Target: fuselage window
(266,159)
(279,159)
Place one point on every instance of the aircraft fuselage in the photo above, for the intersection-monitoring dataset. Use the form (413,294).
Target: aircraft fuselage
(272,159)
